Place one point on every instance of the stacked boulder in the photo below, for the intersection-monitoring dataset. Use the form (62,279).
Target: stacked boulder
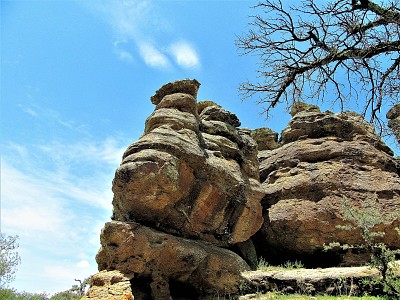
(197,200)
(325,162)
(184,193)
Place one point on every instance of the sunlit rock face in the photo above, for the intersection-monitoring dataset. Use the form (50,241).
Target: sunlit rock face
(187,187)
(326,160)
(394,120)
(193,173)
(198,200)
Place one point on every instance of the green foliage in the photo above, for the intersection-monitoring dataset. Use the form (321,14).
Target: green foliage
(263,265)
(366,218)
(280,296)
(66,295)
(293,265)
(9,259)
(74,293)
(7,294)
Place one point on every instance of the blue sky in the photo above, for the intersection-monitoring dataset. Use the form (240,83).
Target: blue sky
(76,81)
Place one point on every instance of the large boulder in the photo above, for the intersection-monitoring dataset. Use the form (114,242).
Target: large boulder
(109,285)
(188,187)
(190,174)
(165,260)
(328,163)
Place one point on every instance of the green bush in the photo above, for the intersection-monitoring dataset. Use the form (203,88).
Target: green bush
(366,218)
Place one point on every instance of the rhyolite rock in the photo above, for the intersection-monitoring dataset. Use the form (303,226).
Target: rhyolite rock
(394,120)
(168,260)
(197,200)
(192,175)
(265,138)
(188,187)
(110,285)
(325,160)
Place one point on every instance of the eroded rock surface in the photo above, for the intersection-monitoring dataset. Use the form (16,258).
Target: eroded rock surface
(328,281)
(110,285)
(394,120)
(187,187)
(325,159)
(195,186)
(191,175)
(169,260)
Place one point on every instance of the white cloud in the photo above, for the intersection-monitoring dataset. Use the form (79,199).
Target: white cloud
(185,55)
(126,17)
(29,110)
(141,21)
(83,264)
(56,197)
(122,53)
(108,151)
(152,56)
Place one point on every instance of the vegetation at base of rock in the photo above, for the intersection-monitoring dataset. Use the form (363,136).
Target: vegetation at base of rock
(74,293)
(8,294)
(367,218)
(263,265)
(9,259)
(280,296)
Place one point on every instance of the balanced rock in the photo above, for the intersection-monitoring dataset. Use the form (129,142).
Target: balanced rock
(188,187)
(327,161)
(191,175)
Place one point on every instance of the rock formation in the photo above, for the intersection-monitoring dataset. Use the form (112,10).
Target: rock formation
(394,120)
(325,160)
(197,200)
(189,186)
(109,285)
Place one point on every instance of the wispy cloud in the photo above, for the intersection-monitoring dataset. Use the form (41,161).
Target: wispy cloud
(56,197)
(29,110)
(152,56)
(121,52)
(46,113)
(185,55)
(141,23)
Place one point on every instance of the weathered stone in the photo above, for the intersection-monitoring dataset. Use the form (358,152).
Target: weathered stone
(303,107)
(190,188)
(205,103)
(135,249)
(346,125)
(215,113)
(394,122)
(186,86)
(332,281)
(394,112)
(190,175)
(265,138)
(325,158)
(111,285)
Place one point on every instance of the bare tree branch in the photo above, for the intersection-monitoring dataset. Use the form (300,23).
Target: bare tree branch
(352,47)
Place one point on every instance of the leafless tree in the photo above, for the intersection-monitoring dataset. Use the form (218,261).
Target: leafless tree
(314,50)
